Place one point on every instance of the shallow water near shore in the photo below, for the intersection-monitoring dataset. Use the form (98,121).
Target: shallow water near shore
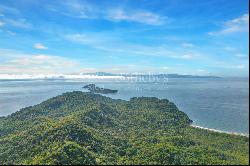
(216,103)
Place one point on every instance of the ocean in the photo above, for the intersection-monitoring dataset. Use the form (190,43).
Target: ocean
(215,103)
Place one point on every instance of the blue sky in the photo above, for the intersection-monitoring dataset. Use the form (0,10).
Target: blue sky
(198,37)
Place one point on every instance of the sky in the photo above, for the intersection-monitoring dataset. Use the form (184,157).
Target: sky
(197,37)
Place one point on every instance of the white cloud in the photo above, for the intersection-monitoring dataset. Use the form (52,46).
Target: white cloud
(19,23)
(187,56)
(81,38)
(135,16)
(236,52)
(240,24)
(241,55)
(8,10)
(241,66)
(9,53)
(2,23)
(237,25)
(88,70)
(40,59)
(40,46)
(93,40)
(153,51)
(201,71)
(16,62)
(11,33)
(165,68)
(187,45)
(78,9)
(230,49)
(84,10)
(116,46)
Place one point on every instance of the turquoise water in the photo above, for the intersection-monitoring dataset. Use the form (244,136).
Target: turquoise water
(217,103)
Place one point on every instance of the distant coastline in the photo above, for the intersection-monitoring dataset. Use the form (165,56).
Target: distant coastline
(103,75)
(219,131)
(98,75)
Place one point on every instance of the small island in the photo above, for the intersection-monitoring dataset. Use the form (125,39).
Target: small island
(94,89)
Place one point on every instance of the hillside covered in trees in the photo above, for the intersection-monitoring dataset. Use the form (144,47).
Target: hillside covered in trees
(87,128)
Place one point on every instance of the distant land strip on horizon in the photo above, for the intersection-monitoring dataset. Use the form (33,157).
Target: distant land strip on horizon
(97,75)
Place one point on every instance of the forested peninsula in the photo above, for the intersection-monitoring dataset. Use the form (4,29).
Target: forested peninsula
(87,128)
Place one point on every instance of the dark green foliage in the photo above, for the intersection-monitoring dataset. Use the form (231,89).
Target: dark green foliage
(68,153)
(86,128)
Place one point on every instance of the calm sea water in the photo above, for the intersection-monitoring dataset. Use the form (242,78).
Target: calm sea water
(217,103)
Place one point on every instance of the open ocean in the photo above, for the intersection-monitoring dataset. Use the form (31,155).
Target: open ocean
(215,103)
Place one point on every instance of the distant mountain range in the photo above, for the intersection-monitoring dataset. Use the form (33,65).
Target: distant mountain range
(97,75)
(149,75)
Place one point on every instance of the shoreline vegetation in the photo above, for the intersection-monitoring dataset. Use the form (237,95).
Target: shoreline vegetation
(87,128)
(199,127)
